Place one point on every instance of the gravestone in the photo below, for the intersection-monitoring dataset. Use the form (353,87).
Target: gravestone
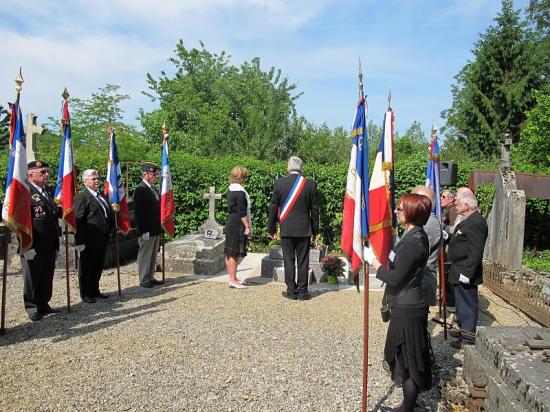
(273,265)
(506,221)
(198,253)
(31,129)
(508,367)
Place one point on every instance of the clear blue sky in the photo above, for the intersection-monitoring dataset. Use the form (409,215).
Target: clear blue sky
(414,47)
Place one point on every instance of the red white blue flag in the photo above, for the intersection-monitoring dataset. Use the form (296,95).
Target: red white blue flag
(167,207)
(381,193)
(114,190)
(355,220)
(433,172)
(16,209)
(66,186)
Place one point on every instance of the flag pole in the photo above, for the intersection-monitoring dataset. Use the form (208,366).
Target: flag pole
(6,236)
(64,122)
(116,208)
(365,289)
(18,87)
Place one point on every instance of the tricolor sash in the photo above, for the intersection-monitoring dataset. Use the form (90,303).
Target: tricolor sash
(291,199)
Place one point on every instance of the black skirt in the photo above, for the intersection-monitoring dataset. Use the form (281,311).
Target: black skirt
(408,350)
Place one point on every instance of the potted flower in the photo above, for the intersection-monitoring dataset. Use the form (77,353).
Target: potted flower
(333,268)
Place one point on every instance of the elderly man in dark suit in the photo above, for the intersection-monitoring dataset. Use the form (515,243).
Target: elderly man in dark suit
(465,257)
(294,206)
(39,261)
(147,218)
(94,224)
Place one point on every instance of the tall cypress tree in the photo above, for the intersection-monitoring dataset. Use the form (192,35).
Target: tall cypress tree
(495,90)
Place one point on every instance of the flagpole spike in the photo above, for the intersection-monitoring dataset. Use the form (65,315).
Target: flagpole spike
(434,130)
(389,99)
(360,76)
(19,82)
(65,94)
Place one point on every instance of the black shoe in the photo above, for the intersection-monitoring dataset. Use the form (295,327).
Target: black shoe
(156,282)
(48,310)
(455,334)
(102,295)
(36,316)
(304,296)
(288,295)
(88,299)
(147,285)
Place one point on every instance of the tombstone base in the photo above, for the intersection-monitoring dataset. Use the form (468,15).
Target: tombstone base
(195,255)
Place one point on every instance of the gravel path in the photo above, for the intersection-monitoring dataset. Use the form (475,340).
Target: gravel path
(197,345)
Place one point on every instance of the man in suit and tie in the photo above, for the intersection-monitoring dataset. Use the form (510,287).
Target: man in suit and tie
(147,218)
(94,224)
(465,257)
(294,206)
(38,262)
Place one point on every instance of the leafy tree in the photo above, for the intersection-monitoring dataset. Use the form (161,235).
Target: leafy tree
(4,127)
(213,107)
(534,147)
(494,91)
(322,146)
(90,120)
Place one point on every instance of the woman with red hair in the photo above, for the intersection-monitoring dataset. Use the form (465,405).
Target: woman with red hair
(408,350)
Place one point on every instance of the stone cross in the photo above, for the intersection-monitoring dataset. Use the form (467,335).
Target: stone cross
(212,196)
(505,153)
(30,129)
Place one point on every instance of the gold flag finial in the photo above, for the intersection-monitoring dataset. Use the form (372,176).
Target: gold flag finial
(18,82)
(389,99)
(65,94)
(434,130)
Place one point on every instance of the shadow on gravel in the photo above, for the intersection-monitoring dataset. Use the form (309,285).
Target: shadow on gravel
(87,318)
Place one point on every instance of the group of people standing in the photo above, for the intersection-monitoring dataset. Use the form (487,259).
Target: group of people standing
(293,207)
(410,278)
(95,221)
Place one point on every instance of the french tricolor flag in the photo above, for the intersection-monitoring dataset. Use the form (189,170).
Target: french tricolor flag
(16,209)
(381,194)
(114,190)
(167,207)
(355,226)
(66,186)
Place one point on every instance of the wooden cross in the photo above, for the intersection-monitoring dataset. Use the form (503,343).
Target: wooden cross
(212,196)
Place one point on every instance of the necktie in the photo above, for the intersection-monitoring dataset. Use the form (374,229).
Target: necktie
(102,203)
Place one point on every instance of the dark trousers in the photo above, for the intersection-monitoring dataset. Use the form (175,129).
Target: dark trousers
(296,249)
(467,303)
(38,281)
(89,271)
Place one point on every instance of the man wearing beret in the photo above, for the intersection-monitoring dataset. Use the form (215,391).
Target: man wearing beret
(39,261)
(147,218)
(94,223)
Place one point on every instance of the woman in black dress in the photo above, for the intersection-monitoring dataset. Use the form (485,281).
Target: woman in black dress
(238,227)
(408,349)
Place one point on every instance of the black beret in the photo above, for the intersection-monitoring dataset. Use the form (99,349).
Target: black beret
(37,164)
(149,167)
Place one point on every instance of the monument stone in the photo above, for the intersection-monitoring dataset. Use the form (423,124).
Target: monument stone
(31,129)
(199,253)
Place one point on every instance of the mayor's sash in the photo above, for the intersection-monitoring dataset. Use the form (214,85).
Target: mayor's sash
(290,201)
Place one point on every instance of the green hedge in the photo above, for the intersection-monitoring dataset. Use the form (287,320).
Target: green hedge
(192,176)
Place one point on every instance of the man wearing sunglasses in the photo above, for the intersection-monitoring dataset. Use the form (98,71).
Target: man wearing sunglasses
(38,262)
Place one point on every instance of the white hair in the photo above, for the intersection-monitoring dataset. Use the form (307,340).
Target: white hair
(294,164)
(450,193)
(468,199)
(86,174)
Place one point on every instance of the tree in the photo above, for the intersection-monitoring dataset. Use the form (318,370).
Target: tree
(4,127)
(90,120)
(215,108)
(534,147)
(494,91)
(322,146)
